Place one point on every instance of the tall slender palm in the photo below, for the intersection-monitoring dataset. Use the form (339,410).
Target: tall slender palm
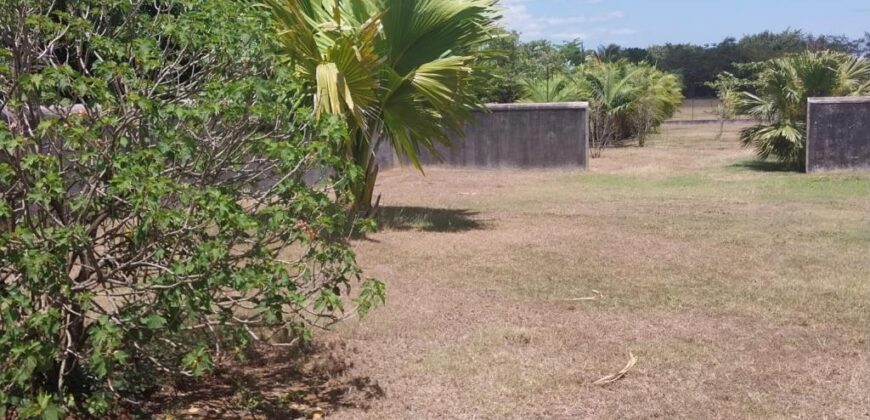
(782,88)
(394,69)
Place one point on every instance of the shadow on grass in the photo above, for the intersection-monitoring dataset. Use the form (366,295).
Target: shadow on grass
(272,384)
(428,219)
(763,166)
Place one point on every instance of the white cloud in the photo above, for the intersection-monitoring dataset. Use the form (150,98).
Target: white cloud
(622,31)
(519,16)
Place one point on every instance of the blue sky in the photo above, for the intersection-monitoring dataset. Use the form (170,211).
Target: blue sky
(646,22)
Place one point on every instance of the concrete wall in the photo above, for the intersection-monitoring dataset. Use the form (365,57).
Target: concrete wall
(838,134)
(516,135)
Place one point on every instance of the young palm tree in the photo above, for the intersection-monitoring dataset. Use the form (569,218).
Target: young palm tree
(782,88)
(660,96)
(627,100)
(612,92)
(555,89)
(391,68)
(729,89)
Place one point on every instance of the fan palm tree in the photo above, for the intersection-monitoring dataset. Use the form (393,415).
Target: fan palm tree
(782,88)
(393,69)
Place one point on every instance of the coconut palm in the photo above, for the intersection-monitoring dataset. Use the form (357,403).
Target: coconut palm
(393,69)
(782,88)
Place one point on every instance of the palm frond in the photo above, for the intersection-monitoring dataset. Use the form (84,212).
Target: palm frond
(392,68)
(556,89)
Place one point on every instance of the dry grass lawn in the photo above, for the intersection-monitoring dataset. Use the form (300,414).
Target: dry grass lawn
(741,289)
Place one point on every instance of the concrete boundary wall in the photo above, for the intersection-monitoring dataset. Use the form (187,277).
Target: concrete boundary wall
(838,134)
(515,135)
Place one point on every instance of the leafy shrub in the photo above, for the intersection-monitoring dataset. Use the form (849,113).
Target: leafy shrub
(155,215)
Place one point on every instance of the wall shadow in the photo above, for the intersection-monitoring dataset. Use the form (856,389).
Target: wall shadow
(763,166)
(428,219)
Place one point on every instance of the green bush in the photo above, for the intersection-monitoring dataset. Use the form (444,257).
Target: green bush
(155,216)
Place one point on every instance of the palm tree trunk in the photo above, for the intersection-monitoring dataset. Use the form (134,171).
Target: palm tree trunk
(363,201)
(365,155)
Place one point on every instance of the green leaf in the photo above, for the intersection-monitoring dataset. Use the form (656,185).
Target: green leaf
(154,322)
(51,412)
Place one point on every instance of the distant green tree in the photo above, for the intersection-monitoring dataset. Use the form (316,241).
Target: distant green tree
(691,62)
(861,46)
(699,65)
(574,52)
(838,43)
(636,55)
(543,59)
(769,45)
(505,65)
(499,69)
(696,65)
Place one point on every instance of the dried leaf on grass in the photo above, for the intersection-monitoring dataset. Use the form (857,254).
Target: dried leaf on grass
(609,379)
(597,296)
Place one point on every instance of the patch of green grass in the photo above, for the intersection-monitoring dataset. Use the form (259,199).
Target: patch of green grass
(622,182)
(856,237)
(747,186)
(829,187)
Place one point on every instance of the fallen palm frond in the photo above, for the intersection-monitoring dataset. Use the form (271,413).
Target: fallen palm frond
(582,299)
(597,296)
(609,379)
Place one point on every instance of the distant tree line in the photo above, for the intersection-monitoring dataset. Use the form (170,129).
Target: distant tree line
(508,61)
